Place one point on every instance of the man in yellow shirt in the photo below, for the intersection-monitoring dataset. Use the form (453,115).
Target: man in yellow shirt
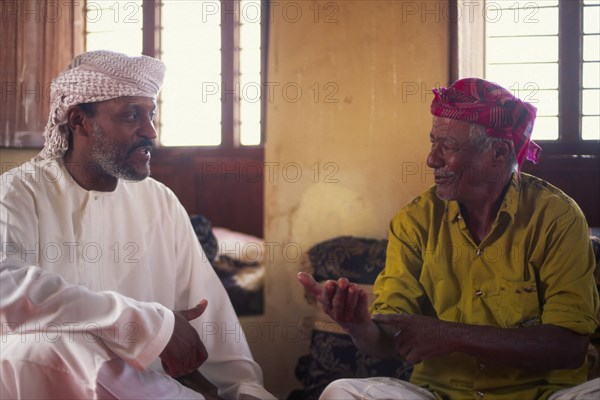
(488,284)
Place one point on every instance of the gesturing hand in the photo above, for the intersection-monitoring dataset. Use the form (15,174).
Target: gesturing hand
(344,302)
(185,352)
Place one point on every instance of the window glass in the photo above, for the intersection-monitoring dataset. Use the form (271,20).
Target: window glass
(115,26)
(521,54)
(590,98)
(250,73)
(190,113)
(190,46)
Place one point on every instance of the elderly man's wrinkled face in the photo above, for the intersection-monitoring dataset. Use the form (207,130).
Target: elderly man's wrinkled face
(460,170)
(123,136)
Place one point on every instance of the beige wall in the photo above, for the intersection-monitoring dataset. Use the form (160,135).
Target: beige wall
(10,158)
(343,155)
(377,62)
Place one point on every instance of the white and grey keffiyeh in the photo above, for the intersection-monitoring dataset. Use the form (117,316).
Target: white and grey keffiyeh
(97,76)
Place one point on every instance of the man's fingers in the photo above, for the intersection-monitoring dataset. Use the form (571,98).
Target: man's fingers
(363,300)
(192,313)
(351,302)
(339,300)
(309,283)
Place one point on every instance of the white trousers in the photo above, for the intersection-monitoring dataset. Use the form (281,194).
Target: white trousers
(390,388)
(43,367)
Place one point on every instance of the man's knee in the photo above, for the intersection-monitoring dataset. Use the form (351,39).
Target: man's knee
(72,355)
(341,389)
(375,388)
(586,391)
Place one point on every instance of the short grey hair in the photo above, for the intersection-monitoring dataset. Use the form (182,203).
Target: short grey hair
(479,138)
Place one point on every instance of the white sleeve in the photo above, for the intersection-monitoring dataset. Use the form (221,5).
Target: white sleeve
(230,365)
(32,300)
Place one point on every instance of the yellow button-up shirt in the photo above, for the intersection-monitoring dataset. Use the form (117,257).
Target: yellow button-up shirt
(534,267)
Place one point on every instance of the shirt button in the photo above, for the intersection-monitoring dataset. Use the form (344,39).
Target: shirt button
(479,252)
(480,395)
(478,292)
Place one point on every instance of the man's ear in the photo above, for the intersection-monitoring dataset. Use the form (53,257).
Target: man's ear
(501,150)
(79,122)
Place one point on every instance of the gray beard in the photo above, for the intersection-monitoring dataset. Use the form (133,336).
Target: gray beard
(105,155)
(446,197)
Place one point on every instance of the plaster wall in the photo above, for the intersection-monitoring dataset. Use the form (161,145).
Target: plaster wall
(346,140)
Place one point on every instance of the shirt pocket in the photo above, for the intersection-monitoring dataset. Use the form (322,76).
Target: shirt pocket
(517,304)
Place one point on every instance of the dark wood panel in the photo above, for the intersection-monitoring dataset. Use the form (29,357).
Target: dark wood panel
(579,177)
(225,188)
(228,187)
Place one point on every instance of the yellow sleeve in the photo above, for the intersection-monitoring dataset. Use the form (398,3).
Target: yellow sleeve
(570,297)
(397,288)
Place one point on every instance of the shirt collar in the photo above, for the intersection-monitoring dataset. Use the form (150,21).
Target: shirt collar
(508,206)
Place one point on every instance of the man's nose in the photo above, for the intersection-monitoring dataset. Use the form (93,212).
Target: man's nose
(147,130)
(435,159)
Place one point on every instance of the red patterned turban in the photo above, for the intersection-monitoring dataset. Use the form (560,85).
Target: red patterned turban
(485,103)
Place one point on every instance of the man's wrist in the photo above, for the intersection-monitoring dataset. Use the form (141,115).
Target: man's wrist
(363,335)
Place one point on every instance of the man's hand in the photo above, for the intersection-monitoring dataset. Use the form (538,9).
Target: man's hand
(417,337)
(345,302)
(185,352)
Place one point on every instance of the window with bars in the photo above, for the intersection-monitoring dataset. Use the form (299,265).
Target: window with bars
(547,52)
(213,51)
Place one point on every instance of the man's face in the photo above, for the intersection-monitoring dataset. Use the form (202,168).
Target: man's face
(122,137)
(460,170)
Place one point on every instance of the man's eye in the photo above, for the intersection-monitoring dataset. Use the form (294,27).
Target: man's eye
(131,116)
(449,149)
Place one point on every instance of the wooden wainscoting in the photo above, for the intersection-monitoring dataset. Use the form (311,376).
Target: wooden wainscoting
(225,187)
(579,177)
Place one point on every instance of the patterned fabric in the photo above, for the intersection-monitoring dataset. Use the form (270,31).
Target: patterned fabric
(239,278)
(208,241)
(357,259)
(485,103)
(97,76)
(334,356)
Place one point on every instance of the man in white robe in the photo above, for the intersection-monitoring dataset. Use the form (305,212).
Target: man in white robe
(86,210)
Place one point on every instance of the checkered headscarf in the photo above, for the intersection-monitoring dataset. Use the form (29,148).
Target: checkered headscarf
(485,103)
(97,76)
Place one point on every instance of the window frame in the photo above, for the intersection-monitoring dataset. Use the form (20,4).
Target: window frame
(570,58)
(230,145)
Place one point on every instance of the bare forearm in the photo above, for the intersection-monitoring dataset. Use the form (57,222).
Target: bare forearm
(542,347)
(374,340)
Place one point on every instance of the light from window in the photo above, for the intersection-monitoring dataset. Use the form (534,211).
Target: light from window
(190,112)
(250,73)
(114,25)
(521,50)
(590,100)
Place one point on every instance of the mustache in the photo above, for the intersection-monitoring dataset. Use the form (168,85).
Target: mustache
(443,174)
(142,143)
